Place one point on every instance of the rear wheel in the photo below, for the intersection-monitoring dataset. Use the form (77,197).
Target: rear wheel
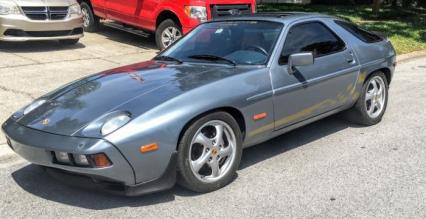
(167,33)
(90,20)
(209,153)
(371,105)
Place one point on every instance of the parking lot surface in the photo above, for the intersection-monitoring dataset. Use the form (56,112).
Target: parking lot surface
(329,169)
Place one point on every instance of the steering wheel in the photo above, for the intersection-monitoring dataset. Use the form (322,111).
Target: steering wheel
(258,48)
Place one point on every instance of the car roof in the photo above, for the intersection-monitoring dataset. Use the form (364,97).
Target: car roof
(280,17)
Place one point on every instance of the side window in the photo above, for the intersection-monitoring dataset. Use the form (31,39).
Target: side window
(359,33)
(310,37)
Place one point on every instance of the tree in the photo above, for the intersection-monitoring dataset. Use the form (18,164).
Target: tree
(376,6)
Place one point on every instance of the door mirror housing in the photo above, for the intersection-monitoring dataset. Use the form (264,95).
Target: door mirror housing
(299,59)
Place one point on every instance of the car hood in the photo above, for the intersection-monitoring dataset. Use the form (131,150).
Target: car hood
(30,3)
(135,89)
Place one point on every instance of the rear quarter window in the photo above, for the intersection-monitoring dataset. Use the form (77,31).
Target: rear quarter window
(363,35)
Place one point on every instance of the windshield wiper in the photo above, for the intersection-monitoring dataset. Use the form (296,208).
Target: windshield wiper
(168,58)
(212,58)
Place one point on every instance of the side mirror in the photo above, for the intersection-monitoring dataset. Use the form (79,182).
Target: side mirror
(299,59)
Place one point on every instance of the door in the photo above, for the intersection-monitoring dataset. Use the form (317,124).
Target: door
(123,10)
(314,89)
(98,7)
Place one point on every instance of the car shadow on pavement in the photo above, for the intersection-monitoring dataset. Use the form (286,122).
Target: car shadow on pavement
(36,181)
(36,46)
(128,38)
(293,139)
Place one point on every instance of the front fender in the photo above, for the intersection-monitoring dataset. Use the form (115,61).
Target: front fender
(164,123)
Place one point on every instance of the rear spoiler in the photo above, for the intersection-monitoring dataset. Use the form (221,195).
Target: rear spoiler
(384,36)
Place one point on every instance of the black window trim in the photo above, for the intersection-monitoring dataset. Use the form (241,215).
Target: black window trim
(308,22)
(336,21)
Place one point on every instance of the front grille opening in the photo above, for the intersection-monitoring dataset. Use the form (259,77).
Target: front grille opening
(230,10)
(21,33)
(45,13)
(77,31)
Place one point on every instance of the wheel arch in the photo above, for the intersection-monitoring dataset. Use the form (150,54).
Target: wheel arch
(167,14)
(234,112)
(85,1)
(385,71)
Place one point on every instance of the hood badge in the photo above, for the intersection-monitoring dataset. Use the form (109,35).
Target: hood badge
(45,122)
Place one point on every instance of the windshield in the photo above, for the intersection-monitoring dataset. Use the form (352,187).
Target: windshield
(230,42)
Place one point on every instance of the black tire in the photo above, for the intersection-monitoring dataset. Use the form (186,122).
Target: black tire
(93,20)
(69,42)
(186,177)
(358,113)
(161,28)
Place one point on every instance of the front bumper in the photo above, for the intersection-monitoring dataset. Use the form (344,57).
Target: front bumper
(119,178)
(20,28)
(166,181)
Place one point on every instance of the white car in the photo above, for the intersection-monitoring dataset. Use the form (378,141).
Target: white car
(26,20)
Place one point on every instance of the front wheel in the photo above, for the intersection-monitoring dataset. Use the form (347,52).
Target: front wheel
(90,20)
(209,153)
(167,33)
(371,105)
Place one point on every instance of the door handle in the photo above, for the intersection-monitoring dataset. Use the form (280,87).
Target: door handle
(350,58)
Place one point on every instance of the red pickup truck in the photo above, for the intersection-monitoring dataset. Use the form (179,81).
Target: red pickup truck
(168,19)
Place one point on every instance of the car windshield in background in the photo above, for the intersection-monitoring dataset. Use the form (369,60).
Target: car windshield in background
(230,42)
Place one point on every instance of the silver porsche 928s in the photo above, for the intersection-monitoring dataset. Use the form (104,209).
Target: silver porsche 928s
(188,113)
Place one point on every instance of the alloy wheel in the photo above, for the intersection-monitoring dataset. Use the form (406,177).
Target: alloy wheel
(212,151)
(375,97)
(170,35)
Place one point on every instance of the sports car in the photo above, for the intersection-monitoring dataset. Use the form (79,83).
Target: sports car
(186,115)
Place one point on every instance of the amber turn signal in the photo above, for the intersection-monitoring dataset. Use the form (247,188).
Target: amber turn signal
(260,116)
(101,160)
(149,147)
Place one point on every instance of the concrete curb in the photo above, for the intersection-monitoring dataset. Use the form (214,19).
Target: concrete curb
(410,56)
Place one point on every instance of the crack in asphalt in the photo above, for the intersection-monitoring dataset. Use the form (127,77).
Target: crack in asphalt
(17,92)
(30,59)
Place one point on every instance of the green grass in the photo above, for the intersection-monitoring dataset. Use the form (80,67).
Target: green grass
(406,28)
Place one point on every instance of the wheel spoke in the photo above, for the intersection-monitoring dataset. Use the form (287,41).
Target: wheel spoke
(369,95)
(372,106)
(378,105)
(380,90)
(373,82)
(199,163)
(203,140)
(224,152)
(219,135)
(214,165)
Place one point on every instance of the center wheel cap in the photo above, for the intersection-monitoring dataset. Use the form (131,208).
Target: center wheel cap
(214,151)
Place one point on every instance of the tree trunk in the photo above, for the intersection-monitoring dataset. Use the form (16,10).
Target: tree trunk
(376,6)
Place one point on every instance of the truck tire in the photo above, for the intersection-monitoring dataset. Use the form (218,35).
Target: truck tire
(90,20)
(167,33)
